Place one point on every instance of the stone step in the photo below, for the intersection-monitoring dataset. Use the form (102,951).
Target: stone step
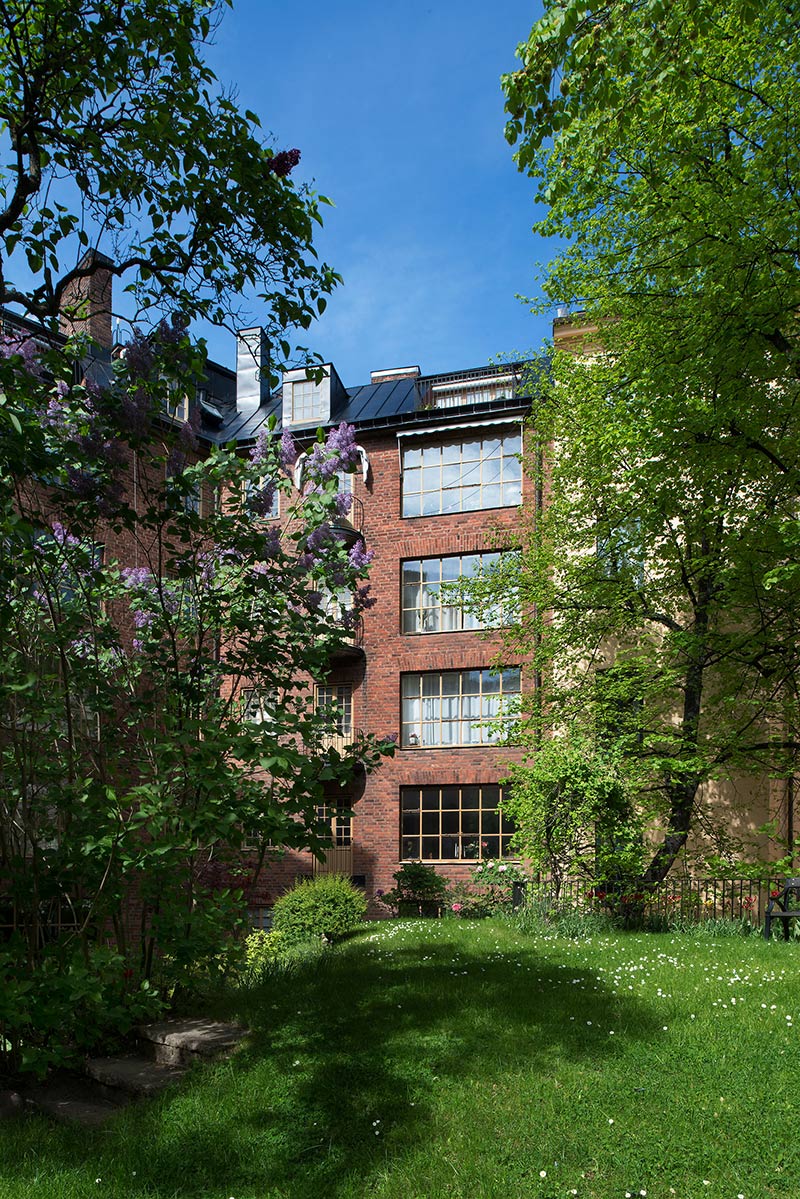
(183,1042)
(71,1099)
(134,1075)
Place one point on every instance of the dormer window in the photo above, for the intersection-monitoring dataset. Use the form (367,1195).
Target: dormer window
(306,403)
(312,402)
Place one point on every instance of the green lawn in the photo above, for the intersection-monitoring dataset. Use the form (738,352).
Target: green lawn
(459,1059)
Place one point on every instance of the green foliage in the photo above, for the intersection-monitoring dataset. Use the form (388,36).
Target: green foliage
(262,951)
(660,583)
(327,906)
(163,171)
(130,769)
(573,806)
(72,1003)
(418,890)
(493,881)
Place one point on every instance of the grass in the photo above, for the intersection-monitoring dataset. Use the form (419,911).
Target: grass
(424,1060)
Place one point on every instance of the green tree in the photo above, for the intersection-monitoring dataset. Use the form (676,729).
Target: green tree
(662,574)
(159,734)
(157,717)
(117,136)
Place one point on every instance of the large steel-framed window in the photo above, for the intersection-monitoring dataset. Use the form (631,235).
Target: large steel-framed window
(454,707)
(427,607)
(462,476)
(449,823)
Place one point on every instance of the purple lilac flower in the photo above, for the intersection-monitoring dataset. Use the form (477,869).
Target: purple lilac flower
(261,500)
(284,162)
(187,434)
(133,412)
(272,542)
(288,451)
(208,568)
(55,416)
(61,536)
(81,482)
(362,599)
(342,503)
(21,347)
(318,538)
(136,576)
(259,452)
(342,444)
(176,462)
(359,556)
(139,355)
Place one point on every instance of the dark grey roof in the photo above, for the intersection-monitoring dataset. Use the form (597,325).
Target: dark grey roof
(373,406)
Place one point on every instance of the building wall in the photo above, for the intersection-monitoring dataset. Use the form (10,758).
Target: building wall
(388,654)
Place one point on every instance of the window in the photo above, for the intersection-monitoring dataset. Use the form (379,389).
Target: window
(337,704)
(452,393)
(260,917)
(453,822)
(335,825)
(254,496)
(452,708)
(462,476)
(427,609)
(306,402)
(186,491)
(256,707)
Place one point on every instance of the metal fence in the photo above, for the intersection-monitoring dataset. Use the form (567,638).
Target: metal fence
(689,898)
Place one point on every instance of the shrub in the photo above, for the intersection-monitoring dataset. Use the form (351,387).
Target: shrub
(327,906)
(495,882)
(262,951)
(418,890)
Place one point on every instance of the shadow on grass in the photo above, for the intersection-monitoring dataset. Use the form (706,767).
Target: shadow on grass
(347,1066)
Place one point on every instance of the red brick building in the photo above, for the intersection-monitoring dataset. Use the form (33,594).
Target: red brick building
(437,496)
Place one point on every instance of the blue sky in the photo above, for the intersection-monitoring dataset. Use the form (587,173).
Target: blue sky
(398,112)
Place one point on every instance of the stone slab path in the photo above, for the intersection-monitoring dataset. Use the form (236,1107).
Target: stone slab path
(165,1051)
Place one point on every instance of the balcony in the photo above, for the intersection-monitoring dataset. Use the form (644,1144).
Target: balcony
(342,738)
(351,649)
(349,529)
(488,385)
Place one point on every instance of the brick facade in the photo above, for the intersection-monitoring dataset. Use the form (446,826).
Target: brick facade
(389,653)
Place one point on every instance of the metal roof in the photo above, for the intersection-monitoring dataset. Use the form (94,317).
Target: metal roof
(375,406)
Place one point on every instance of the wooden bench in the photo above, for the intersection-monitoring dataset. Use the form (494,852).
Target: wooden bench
(782,901)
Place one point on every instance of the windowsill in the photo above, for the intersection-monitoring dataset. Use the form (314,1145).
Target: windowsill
(461,861)
(456,745)
(449,632)
(462,512)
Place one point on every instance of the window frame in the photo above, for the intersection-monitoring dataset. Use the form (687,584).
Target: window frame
(306,402)
(413,729)
(424,460)
(468,844)
(466,622)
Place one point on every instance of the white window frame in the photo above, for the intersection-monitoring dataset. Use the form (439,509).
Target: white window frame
(431,612)
(469,473)
(443,709)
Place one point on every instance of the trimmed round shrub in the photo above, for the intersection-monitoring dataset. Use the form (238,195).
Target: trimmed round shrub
(326,906)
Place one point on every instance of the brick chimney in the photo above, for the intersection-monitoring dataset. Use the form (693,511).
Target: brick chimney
(391,374)
(86,301)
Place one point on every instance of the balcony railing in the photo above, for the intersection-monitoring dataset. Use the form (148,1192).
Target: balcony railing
(349,529)
(486,386)
(351,649)
(342,739)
